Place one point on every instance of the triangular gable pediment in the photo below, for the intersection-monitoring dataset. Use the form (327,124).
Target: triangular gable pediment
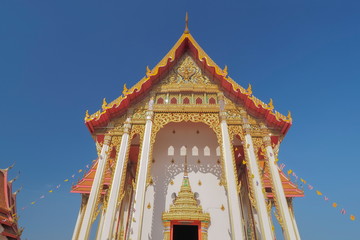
(186,72)
(187,66)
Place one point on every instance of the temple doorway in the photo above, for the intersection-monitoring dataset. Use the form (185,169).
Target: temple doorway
(185,232)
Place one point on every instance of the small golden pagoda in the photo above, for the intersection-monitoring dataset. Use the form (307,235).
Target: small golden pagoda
(186,210)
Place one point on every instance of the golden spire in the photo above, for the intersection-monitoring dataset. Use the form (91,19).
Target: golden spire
(186,23)
(186,206)
(185,167)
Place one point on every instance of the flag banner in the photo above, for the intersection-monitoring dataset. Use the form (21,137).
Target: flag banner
(281,167)
(292,174)
(57,187)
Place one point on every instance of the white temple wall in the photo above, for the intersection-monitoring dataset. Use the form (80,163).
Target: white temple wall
(204,178)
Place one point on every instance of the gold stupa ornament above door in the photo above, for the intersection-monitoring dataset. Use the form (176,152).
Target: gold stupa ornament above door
(185,211)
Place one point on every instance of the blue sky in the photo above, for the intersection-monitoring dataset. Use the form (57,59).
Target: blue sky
(60,58)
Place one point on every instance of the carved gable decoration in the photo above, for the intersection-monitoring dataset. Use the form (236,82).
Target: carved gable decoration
(187,71)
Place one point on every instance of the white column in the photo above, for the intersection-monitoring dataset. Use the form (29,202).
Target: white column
(288,227)
(117,220)
(84,199)
(137,215)
(256,183)
(291,208)
(236,223)
(95,191)
(101,224)
(120,169)
(128,211)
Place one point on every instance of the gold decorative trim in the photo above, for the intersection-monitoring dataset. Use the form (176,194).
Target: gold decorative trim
(138,129)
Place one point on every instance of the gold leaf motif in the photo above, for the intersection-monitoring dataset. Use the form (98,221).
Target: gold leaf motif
(222,207)
(187,72)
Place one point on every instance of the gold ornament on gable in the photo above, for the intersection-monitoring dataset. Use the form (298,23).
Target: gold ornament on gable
(187,72)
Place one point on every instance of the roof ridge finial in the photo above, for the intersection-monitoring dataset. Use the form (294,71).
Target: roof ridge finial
(186,23)
(9,168)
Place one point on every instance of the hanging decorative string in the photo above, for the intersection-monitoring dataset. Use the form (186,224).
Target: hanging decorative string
(66,181)
(305,184)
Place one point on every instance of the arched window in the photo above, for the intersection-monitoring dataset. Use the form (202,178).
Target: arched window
(160,101)
(173,100)
(218,151)
(212,101)
(195,151)
(183,151)
(198,101)
(171,151)
(186,100)
(206,151)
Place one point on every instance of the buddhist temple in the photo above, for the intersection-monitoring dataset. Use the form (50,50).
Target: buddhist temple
(8,216)
(186,153)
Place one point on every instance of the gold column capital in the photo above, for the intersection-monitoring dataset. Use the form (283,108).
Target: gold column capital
(127,125)
(267,141)
(107,139)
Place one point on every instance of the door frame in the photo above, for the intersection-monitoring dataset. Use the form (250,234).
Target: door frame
(185,222)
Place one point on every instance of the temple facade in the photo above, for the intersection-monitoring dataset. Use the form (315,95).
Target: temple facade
(186,153)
